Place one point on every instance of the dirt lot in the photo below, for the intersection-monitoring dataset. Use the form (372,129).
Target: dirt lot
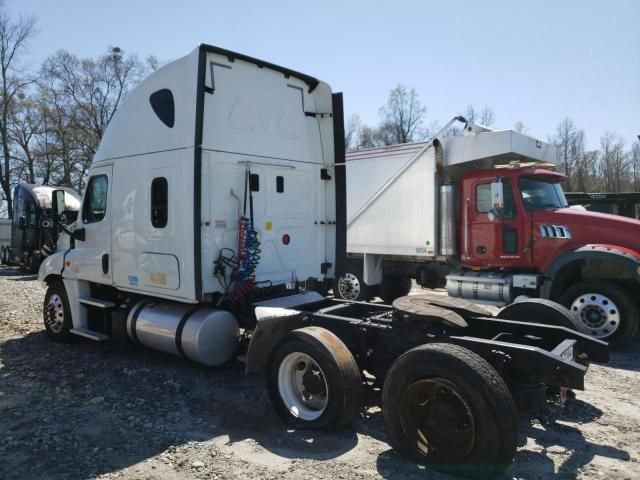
(92,411)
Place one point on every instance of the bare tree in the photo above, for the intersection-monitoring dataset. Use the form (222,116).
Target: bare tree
(484,117)
(351,132)
(634,160)
(366,138)
(85,94)
(565,137)
(613,162)
(520,127)
(402,116)
(14,38)
(24,125)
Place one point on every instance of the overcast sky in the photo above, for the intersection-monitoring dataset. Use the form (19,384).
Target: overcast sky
(533,61)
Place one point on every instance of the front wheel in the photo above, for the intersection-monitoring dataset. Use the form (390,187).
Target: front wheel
(351,286)
(313,380)
(445,406)
(603,310)
(57,314)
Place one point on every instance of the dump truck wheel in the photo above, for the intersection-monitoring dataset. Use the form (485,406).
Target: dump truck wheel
(394,287)
(313,380)
(2,255)
(57,314)
(447,407)
(538,310)
(603,310)
(351,286)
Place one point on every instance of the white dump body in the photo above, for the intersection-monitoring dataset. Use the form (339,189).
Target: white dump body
(393,192)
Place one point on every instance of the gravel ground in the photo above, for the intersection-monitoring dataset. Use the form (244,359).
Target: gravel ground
(88,410)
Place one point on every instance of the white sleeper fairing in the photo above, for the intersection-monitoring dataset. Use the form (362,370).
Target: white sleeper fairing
(172,172)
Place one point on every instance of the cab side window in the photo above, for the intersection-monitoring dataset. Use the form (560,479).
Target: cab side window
(483,200)
(95,200)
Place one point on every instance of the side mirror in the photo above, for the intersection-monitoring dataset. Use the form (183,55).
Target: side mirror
(57,206)
(497,194)
(22,223)
(497,200)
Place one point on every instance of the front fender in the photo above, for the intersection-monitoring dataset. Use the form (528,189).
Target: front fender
(621,262)
(51,266)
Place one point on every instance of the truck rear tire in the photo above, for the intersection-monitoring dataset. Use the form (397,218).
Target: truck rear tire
(351,286)
(538,310)
(603,310)
(447,407)
(313,380)
(394,287)
(57,314)
(3,260)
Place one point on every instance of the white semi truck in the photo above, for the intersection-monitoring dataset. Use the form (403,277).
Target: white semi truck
(484,214)
(214,214)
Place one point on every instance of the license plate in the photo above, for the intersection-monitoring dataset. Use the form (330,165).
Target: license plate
(568,353)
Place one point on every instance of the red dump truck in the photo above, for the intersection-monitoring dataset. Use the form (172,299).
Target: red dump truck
(485,214)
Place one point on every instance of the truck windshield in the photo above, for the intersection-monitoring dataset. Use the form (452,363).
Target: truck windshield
(537,193)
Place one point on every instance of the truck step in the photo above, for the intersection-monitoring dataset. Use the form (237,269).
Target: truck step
(90,334)
(96,302)
(291,301)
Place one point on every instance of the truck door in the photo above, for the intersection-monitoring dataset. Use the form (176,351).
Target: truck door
(90,259)
(495,240)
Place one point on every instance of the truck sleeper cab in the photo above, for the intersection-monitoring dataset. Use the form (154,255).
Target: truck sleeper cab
(485,215)
(215,213)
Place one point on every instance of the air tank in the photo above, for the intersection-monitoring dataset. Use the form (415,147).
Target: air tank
(448,244)
(205,335)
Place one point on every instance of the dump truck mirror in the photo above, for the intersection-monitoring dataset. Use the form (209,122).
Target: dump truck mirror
(57,206)
(497,195)
(497,200)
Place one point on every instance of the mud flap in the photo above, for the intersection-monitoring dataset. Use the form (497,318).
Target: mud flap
(271,325)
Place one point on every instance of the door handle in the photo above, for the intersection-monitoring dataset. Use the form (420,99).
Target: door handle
(105,263)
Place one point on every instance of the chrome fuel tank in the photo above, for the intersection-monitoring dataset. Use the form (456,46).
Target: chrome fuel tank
(203,334)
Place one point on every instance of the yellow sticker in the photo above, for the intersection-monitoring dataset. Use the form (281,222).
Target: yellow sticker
(268,225)
(159,278)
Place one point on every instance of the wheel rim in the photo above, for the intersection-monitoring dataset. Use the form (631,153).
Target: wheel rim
(437,420)
(303,386)
(597,315)
(349,287)
(54,313)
